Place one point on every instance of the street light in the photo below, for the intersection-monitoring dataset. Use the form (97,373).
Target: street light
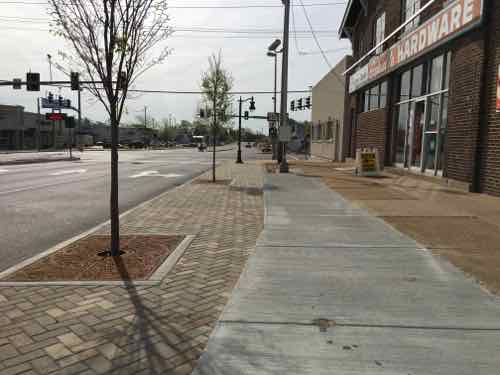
(272,52)
(251,108)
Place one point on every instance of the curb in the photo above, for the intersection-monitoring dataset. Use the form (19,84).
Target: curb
(38,161)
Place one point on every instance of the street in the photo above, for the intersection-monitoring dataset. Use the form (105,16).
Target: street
(44,204)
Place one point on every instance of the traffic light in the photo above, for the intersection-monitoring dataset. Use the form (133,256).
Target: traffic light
(67,103)
(299,104)
(292,105)
(60,101)
(75,81)
(252,104)
(51,98)
(308,102)
(247,115)
(16,84)
(33,81)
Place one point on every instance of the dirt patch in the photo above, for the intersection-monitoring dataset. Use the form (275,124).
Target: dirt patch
(460,226)
(80,261)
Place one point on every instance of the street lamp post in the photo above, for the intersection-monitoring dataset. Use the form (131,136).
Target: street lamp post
(284,82)
(252,108)
(272,52)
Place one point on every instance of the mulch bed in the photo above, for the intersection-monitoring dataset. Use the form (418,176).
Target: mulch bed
(80,261)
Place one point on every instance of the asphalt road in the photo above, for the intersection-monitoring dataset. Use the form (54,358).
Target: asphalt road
(42,205)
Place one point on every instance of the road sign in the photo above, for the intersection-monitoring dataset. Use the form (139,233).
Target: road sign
(273,116)
(55,116)
(285,133)
(16,83)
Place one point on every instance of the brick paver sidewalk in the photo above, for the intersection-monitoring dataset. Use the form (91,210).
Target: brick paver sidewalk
(142,329)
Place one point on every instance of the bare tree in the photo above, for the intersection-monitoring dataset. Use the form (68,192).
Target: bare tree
(113,42)
(216,83)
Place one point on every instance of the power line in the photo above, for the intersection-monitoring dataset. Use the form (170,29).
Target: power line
(191,35)
(314,35)
(201,29)
(249,6)
(294,30)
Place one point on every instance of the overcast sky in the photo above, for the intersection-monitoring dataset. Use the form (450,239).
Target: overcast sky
(25,43)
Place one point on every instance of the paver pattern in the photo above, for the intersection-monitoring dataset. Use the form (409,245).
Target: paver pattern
(142,329)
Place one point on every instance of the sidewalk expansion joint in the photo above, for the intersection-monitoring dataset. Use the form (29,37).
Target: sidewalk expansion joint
(361,325)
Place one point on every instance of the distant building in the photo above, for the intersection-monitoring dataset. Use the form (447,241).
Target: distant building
(328,102)
(20,130)
(127,135)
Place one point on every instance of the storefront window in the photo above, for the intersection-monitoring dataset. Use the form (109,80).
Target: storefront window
(417,81)
(447,71)
(374,97)
(436,81)
(420,139)
(401,133)
(404,93)
(383,94)
(434,106)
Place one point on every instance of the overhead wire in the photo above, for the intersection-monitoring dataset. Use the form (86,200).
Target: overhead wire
(248,6)
(314,35)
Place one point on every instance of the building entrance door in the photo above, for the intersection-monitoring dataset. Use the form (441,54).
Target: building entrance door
(417,125)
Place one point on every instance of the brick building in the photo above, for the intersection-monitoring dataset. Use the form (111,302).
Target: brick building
(423,86)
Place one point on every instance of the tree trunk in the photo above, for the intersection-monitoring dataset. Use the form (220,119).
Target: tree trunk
(114,209)
(214,133)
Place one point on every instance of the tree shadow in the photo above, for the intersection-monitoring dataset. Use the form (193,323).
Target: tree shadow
(155,345)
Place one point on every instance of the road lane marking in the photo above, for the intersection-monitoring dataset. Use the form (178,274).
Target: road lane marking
(155,174)
(3,170)
(73,171)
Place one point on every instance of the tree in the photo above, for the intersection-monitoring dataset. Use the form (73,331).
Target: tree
(113,43)
(216,83)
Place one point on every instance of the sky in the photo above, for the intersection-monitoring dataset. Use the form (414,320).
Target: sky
(25,41)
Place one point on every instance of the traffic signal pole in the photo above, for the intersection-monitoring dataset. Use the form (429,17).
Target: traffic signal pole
(238,159)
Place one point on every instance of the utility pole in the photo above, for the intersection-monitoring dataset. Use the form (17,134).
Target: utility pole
(284,82)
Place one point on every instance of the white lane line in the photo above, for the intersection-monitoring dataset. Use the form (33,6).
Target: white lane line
(155,174)
(3,170)
(72,171)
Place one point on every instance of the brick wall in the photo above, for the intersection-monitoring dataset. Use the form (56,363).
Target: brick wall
(371,131)
(464,106)
(490,145)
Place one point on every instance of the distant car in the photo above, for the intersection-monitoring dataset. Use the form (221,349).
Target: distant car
(266,148)
(248,145)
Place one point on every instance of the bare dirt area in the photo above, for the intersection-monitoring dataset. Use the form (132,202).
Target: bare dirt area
(463,227)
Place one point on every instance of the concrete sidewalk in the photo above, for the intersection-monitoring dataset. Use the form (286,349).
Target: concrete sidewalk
(332,289)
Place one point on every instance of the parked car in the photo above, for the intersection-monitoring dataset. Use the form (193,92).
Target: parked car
(248,145)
